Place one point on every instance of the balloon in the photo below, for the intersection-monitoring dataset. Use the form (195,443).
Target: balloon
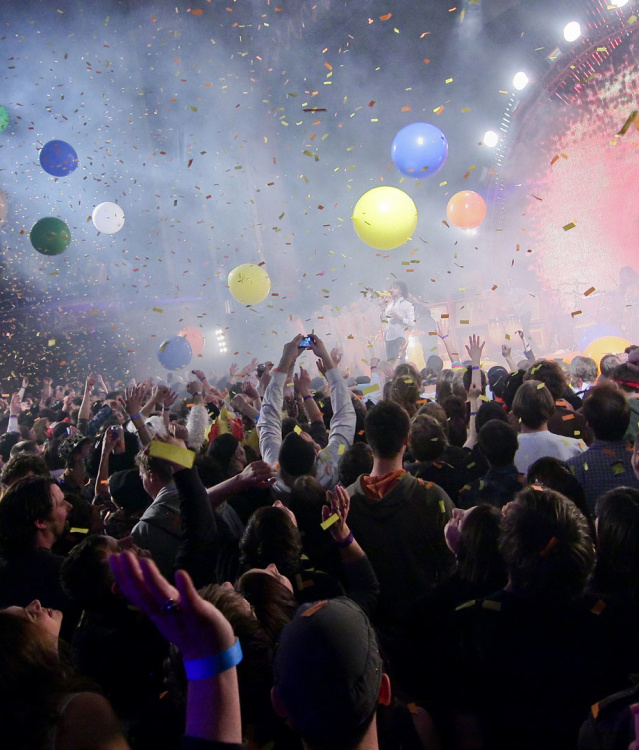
(605,345)
(195,337)
(419,150)
(4,118)
(249,284)
(4,206)
(108,218)
(385,217)
(50,236)
(466,209)
(58,158)
(596,331)
(175,353)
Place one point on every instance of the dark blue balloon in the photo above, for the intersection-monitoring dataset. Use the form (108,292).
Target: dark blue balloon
(58,158)
(419,150)
(175,353)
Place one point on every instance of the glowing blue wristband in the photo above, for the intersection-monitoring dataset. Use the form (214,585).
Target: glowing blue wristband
(210,666)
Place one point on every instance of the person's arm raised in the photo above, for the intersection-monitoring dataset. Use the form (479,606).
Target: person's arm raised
(85,406)
(303,387)
(204,637)
(475,349)
(443,332)
(132,403)
(506,353)
(270,421)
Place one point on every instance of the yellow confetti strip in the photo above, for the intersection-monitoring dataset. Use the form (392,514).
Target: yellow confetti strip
(174,453)
(329,521)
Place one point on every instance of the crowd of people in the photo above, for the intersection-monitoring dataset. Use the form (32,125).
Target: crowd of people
(445,558)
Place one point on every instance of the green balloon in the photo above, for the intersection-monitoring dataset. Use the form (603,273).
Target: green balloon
(4,118)
(50,236)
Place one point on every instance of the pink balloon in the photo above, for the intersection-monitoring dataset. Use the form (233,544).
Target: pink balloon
(195,337)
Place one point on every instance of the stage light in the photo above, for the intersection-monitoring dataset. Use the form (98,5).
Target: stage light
(491,139)
(572,31)
(520,81)
(618,3)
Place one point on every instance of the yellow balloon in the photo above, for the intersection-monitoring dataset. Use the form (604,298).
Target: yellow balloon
(249,284)
(605,345)
(385,217)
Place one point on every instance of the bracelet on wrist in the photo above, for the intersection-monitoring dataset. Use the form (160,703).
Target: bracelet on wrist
(473,413)
(136,416)
(443,337)
(306,398)
(346,542)
(475,367)
(210,666)
(166,408)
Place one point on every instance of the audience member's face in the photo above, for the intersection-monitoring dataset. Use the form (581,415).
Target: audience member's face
(46,621)
(452,530)
(59,511)
(271,570)
(394,290)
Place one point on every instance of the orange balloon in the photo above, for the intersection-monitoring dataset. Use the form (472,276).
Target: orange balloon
(605,345)
(466,209)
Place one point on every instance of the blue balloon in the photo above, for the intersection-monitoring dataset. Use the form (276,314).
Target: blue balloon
(58,158)
(175,353)
(419,150)
(594,332)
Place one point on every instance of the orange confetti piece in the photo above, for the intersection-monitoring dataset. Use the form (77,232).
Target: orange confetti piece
(405,109)
(328,65)
(197,11)
(576,312)
(386,17)
(155,20)
(427,60)
(588,292)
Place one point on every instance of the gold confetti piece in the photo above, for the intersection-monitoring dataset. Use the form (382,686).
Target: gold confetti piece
(158,310)
(449,80)
(540,386)
(329,521)
(78,530)
(632,119)
(464,322)
(297,429)
(572,225)
(341,449)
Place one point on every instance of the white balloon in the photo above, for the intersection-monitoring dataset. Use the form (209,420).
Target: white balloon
(108,218)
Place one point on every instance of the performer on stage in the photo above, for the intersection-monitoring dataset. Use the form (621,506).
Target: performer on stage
(399,315)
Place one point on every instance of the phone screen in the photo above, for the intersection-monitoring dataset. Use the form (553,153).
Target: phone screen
(306,343)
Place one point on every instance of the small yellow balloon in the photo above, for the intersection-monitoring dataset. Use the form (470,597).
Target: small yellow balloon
(605,345)
(385,217)
(249,284)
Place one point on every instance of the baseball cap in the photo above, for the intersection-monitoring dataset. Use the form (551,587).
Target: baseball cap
(328,670)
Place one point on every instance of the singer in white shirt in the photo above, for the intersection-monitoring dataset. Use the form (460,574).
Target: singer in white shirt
(399,317)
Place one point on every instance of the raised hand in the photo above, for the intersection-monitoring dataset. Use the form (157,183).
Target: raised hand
(475,349)
(258,474)
(302,382)
(196,627)
(506,350)
(338,501)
